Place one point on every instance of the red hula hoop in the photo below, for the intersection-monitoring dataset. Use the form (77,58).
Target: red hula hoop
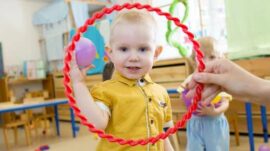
(72,101)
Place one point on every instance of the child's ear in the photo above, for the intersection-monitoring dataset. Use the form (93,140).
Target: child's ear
(108,51)
(158,51)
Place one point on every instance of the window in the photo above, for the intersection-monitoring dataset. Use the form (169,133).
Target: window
(205,18)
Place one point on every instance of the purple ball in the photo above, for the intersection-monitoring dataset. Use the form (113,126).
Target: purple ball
(264,147)
(85,52)
(188,102)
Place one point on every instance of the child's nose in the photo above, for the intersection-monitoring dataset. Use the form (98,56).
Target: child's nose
(134,56)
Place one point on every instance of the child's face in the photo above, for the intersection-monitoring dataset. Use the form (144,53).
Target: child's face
(133,49)
(211,55)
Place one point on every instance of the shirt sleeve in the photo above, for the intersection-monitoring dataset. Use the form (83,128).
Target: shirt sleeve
(99,94)
(221,95)
(225,95)
(183,85)
(102,106)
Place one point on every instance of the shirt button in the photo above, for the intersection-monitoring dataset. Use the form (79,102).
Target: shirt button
(152,121)
(150,99)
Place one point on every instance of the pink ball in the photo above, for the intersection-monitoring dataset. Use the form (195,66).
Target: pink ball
(85,52)
(264,147)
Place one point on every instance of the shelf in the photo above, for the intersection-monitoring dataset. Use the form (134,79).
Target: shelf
(23,81)
(91,2)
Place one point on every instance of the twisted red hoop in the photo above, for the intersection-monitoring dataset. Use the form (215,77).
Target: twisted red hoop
(68,89)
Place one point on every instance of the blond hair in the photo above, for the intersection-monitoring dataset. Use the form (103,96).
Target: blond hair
(134,17)
(208,45)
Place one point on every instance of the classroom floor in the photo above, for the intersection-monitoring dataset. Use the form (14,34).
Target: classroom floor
(87,142)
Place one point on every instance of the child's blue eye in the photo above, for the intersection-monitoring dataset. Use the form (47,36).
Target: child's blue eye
(124,49)
(143,49)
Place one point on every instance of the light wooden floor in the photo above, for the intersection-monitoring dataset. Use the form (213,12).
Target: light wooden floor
(87,142)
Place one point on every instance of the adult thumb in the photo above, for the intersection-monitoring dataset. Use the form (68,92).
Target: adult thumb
(208,78)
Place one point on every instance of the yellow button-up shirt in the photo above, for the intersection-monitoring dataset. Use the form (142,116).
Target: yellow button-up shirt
(138,109)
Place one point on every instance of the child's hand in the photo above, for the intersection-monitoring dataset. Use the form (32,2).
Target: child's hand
(76,74)
(209,110)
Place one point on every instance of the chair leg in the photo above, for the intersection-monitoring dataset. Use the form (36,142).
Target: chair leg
(6,138)
(178,136)
(53,126)
(175,142)
(178,131)
(35,125)
(15,129)
(236,132)
(27,134)
(46,125)
(30,126)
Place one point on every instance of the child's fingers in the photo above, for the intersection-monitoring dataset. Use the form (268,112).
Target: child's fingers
(84,70)
(202,105)
(88,67)
(73,62)
(91,66)
(209,98)
(200,113)
(212,106)
(199,106)
(199,110)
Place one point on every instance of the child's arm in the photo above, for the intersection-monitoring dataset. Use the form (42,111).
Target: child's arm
(168,145)
(85,101)
(211,110)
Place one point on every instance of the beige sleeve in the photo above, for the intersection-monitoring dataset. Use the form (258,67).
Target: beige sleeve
(183,85)
(225,95)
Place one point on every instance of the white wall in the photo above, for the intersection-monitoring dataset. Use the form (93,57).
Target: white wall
(18,36)
(133,1)
(248,28)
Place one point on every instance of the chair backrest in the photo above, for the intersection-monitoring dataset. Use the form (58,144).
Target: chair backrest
(170,74)
(35,111)
(37,94)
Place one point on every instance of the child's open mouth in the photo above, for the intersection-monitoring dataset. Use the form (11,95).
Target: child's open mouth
(133,68)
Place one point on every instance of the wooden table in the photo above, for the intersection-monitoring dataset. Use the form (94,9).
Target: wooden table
(11,107)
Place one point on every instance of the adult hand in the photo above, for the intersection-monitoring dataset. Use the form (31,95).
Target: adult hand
(224,75)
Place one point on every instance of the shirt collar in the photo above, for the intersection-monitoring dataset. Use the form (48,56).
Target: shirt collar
(131,82)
